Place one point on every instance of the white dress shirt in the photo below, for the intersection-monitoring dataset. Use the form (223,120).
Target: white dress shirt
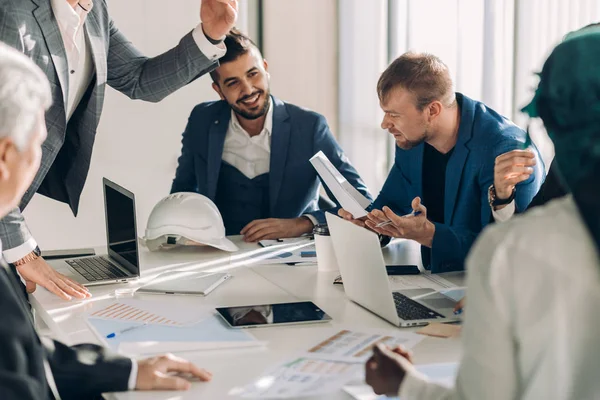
(71,23)
(532,321)
(505,213)
(251,155)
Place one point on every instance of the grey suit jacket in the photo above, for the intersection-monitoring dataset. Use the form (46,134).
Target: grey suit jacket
(30,27)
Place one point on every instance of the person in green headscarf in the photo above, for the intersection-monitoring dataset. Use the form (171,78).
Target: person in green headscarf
(531,330)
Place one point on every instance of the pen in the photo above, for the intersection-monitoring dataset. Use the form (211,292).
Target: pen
(388,222)
(131,328)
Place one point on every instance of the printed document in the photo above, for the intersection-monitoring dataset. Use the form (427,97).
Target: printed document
(325,367)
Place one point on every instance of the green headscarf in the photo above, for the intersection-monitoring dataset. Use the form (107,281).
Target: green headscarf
(568,102)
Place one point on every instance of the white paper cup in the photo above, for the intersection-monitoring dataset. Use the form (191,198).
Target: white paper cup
(326,259)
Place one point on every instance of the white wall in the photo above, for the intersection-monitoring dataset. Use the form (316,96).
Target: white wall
(138,143)
(300,44)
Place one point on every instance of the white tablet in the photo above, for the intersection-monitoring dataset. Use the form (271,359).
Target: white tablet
(185,282)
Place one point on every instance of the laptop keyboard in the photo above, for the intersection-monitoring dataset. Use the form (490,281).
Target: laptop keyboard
(96,268)
(409,309)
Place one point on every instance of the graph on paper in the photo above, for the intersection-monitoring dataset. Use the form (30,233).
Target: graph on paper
(146,312)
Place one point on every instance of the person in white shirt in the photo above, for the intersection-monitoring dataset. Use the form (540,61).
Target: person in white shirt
(250,152)
(38,368)
(80,49)
(532,321)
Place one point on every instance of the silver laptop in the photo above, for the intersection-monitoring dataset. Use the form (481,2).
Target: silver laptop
(122,263)
(363,271)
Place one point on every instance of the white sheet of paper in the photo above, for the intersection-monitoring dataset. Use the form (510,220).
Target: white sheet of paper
(325,368)
(347,196)
(150,312)
(355,346)
(303,376)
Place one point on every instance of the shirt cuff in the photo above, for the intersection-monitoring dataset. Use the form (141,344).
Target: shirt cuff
(16,253)
(133,375)
(504,214)
(312,219)
(211,51)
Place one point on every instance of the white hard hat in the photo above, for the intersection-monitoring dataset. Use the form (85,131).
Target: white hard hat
(181,218)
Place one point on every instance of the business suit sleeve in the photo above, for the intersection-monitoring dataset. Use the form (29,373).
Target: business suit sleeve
(185,175)
(86,370)
(452,244)
(13,230)
(153,79)
(325,142)
(80,372)
(16,380)
(9,30)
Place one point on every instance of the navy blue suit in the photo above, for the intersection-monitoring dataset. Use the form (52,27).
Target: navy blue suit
(483,135)
(293,184)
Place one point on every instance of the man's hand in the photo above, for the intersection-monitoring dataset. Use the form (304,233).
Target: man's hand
(38,272)
(510,169)
(218,17)
(458,308)
(156,373)
(275,228)
(417,228)
(386,369)
(349,217)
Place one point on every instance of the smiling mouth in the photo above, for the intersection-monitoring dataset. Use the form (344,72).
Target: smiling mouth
(251,101)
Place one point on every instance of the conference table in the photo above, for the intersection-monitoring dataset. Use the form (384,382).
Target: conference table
(252,283)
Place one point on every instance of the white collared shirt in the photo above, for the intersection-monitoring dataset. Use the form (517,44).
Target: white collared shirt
(71,23)
(79,58)
(532,317)
(249,155)
(505,213)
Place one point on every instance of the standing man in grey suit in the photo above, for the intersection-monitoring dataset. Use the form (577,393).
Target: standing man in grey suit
(78,46)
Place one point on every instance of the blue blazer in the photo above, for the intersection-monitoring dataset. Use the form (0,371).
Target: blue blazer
(298,134)
(482,136)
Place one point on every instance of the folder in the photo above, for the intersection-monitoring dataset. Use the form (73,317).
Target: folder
(346,195)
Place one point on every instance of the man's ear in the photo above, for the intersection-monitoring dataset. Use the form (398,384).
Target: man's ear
(266,65)
(6,147)
(217,89)
(435,109)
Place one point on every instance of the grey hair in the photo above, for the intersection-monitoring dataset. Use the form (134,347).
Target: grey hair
(24,92)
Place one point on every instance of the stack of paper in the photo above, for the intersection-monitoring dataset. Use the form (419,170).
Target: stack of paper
(159,328)
(346,195)
(325,368)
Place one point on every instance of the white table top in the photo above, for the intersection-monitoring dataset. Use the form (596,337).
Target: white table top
(254,284)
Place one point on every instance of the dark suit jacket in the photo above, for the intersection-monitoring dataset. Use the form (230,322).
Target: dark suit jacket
(298,134)
(28,363)
(483,135)
(30,27)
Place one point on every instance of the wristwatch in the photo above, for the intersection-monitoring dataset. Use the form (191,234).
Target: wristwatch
(34,255)
(495,201)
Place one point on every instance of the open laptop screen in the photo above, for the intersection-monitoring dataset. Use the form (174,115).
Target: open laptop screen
(121,229)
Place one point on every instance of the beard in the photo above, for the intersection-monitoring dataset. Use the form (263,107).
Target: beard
(406,144)
(251,115)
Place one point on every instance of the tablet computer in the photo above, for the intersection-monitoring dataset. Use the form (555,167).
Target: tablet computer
(185,282)
(305,312)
